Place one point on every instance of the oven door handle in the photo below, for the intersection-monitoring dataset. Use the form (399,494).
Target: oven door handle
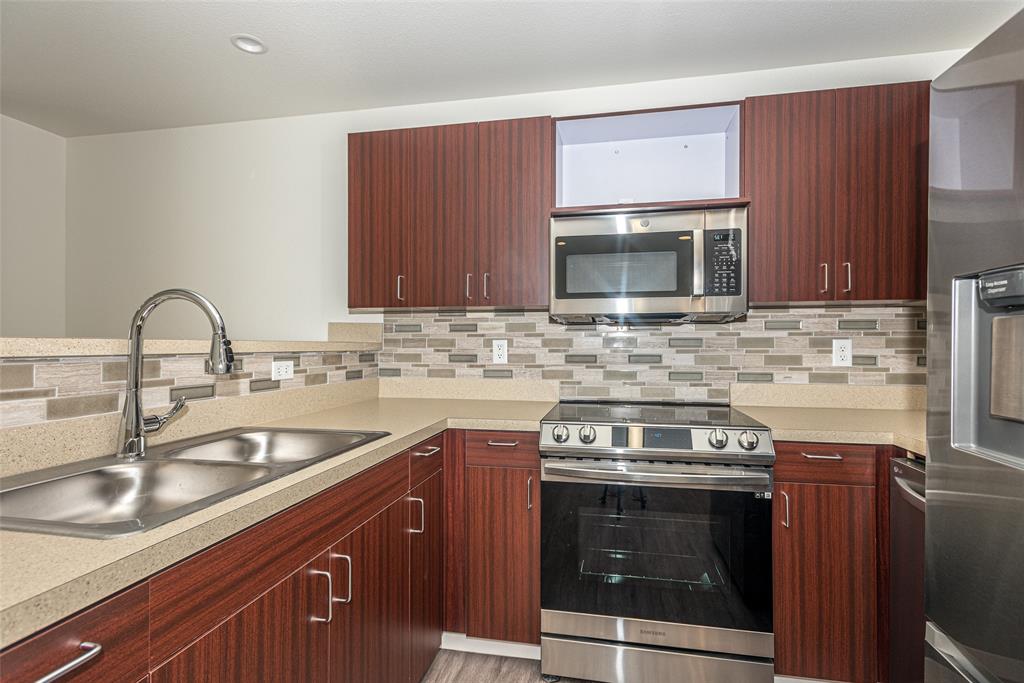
(746,481)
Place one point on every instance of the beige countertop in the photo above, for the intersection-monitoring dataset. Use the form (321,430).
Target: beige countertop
(45,578)
(903,428)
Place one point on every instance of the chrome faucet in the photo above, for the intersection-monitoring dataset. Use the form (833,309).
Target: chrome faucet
(135,425)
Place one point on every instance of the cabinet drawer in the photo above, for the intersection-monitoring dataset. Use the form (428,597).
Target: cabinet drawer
(118,625)
(503,449)
(425,458)
(823,463)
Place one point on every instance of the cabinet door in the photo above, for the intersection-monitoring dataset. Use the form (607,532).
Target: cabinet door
(444,257)
(789,170)
(824,556)
(380,211)
(282,636)
(516,158)
(503,553)
(370,633)
(118,626)
(882,191)
(426,572)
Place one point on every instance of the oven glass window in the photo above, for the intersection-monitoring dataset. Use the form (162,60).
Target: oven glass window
(631,265)
(677,555)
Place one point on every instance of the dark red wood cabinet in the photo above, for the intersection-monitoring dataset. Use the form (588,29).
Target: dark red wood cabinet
(369,640)
(426,573)
(452,215)
(118,625)
(503,545)
(281,636)
(838,188)
(825,562)
(347,585)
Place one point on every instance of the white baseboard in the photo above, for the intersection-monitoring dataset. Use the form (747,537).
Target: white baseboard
(483,646)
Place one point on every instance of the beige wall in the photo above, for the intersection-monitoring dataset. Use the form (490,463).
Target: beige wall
(253,214)
(32,300)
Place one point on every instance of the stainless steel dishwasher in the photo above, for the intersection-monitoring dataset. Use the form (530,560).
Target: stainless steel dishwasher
(906,553)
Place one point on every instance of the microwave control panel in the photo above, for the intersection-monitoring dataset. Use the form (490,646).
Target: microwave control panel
(723,272)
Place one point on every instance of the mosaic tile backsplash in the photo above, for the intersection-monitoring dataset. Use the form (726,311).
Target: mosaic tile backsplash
(37,390)
(686,362)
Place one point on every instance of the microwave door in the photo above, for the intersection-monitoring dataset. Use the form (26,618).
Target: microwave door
(596,268)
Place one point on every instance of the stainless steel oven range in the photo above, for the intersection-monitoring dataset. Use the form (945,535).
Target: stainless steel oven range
(656,556)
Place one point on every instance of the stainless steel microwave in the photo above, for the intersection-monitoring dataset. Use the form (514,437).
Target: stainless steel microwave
(658,267)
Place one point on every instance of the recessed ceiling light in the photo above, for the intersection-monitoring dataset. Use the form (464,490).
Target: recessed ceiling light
(248,43)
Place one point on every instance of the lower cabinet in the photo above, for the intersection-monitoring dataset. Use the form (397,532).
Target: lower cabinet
(370,568)
(346,586)
(426,574)
(282,636)
(503,553)
(825,571)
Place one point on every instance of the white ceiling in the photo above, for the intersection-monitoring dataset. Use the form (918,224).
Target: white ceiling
(81,68)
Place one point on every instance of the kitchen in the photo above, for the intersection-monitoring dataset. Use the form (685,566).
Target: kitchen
(516,358)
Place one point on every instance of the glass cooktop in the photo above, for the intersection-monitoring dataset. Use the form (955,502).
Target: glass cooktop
(660,414)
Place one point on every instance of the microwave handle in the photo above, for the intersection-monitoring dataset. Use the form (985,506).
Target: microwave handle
(698,263)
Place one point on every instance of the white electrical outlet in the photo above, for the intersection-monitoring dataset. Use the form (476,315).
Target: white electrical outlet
(842,352)
(282,369)
(499,349)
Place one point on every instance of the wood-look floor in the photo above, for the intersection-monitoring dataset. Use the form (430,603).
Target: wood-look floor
(467,667)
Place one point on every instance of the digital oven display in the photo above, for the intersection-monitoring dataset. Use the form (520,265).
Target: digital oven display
(675,439)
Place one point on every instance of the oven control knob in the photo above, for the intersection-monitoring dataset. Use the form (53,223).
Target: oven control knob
(560,433)
(718,438)
(748,440)
(588,434)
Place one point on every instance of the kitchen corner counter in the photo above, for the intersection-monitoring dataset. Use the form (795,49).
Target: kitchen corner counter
(44,578)
(903,428)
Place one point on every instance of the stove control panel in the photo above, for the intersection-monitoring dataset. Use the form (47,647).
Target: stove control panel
(652,439)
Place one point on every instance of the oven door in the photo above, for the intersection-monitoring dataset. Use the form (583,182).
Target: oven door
(671,555)
(627,265)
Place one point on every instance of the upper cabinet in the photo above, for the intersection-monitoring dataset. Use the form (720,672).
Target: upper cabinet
(882,192)
(450,215)
(838,188)
(664,156)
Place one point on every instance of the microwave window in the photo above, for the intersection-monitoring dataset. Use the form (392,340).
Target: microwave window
(645,271)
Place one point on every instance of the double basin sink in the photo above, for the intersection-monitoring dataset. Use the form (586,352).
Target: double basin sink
(110,497)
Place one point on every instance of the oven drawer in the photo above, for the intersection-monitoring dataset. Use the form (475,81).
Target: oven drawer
(822,463)
(613,663)
(503,449)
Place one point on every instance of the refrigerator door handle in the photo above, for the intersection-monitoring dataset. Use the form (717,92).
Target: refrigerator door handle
(946,648)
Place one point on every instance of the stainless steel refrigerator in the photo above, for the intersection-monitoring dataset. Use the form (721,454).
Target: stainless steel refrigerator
(975,477)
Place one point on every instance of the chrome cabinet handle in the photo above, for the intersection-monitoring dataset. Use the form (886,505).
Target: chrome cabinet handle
(824,267)
(503,444)
(849,277)
(330,597)
(348,560)
(398,284)
(814,456)
(469,279)
(423,516)
(529,493)
(427,453)
(91,651)
(487,277)
(785,497)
